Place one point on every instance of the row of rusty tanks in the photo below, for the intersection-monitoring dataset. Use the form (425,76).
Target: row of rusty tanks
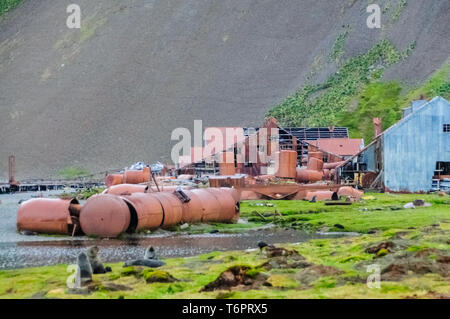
(108,215)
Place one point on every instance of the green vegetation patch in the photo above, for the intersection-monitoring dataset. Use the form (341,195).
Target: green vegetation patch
(72,172)
(8,5)
(318,105)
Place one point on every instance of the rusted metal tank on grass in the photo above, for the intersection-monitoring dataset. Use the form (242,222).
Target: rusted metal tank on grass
(350,192)
(321,195)
(47,215)
(287,160)
(229,204)
(307,175)
(148,209)
(105,216)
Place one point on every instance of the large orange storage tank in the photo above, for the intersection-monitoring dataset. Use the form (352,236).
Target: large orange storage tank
(173,212)
(113,179)
(125,189)
(318,155)
(229,207)
(105,216)
(192,210)
(136,176)
(320,195)
(287,161)
(45,215)
(350,192)
(306,175)
(314,164)
(148,209)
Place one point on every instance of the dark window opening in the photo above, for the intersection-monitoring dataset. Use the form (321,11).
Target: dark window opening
(442,168)
(446,128)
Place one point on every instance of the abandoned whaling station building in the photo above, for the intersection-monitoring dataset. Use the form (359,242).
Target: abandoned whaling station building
(333,142)
(411,156)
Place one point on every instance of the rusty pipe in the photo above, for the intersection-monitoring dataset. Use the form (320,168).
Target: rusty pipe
(332,165)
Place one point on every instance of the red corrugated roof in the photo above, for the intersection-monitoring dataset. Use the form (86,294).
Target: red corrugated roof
(339,146)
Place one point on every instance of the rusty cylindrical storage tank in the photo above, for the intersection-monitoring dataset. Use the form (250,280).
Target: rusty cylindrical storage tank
(306,175)
(192,210)
(229,206)
(314,164)
(318,155)
(125,189)
(45,215)
(148,209)
(287,164)
(105,216)
(113,179)
(136,176)
(350,192)
(172,210)
(320,195)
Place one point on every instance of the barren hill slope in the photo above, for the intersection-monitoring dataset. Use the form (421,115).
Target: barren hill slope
(111,93)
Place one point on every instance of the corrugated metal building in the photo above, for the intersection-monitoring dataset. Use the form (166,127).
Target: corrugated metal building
(411,156)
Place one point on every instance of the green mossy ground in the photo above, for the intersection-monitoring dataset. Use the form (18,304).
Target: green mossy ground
(411,230)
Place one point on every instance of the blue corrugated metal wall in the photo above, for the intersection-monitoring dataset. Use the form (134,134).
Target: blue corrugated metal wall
(414,145)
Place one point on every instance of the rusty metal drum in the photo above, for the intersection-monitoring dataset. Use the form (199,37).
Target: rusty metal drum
(45,215)
(306,175)
(287,160)
(172,209)
(148,209)
(318,155)
(125,189)
(136,176)
(228,209)
(192,210)
(113,179)
(315,164)
(320,195)
(105,216)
